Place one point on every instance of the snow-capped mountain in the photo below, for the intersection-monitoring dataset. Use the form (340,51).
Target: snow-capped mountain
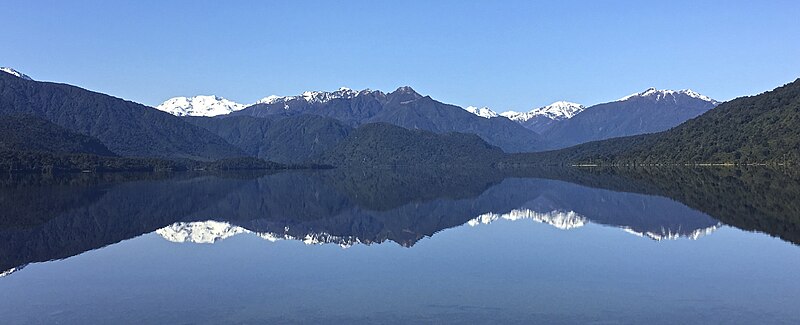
(484,112)
(11,270)
(559,219)
(671,95)
(403,107)
(215,105)
(672,234)
(199,106)
(317,96)
(15,73)
(211,231)
(560,110)
(566,220)
(649,111)
(540,119)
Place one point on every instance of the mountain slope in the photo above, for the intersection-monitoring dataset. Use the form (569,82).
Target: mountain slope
(127,128)
(543,118)
(383,144)
(646,112)
(293,139)
(403,107)
(199,106)
(413,111)
(29,133)
(759,129)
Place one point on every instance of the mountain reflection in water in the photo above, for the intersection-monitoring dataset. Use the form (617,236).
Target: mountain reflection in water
(47,219)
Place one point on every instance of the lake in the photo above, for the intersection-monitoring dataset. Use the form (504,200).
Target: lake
(561,245)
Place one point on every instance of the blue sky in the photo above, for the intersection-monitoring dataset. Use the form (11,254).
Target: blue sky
(505,55)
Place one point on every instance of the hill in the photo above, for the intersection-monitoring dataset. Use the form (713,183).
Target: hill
(292,139)
(383,144)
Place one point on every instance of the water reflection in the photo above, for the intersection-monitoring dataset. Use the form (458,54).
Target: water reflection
(47,219)
(556,203)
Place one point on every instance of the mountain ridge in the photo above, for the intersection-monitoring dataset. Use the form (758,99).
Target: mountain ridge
(543,118)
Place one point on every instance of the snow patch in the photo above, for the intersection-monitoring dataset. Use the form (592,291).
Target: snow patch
(15,73)
(11,270)
(673,234)
(560,219)
(484,112)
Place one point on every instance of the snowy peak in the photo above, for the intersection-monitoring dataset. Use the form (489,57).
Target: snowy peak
(484,112)
(324,96)
(12,270)
(404,94)
(15,73)
(199,106)
(271,99)
(659,95)
(560,110)
(407,90)
(318,97)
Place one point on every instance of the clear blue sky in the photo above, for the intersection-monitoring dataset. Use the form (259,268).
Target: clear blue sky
(502,54)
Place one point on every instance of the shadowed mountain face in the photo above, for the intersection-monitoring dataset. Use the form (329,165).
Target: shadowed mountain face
(381,144)
(29,133)
(126,128)
(49,219)
(279,138)
(403,107)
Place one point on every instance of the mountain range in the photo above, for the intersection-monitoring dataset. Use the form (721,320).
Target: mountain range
(543,118)
(563,124)
(403,107)
(370,127)
(557,125)
(755,129)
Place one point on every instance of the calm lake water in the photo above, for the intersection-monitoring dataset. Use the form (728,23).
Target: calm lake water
(403,246)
